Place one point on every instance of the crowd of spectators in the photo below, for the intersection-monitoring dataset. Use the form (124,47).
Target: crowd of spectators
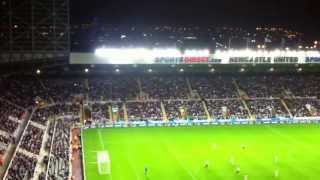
(60,153)
(8,125)
(267,108)
(22,167)
(64,90)
(144,110)
(113,88)
(302,86)
(100,89)
(165,87)
(23,91)
(222,109)
(124,88)
(303,107)
(214,87)
(9,113)
(260,86)
(4,142)
(100,112)
(32,139)
(42,114)
(190,109)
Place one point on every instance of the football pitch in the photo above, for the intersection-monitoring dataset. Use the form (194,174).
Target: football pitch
(261,152)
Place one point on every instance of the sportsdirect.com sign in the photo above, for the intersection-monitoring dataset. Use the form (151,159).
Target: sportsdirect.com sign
(174,56)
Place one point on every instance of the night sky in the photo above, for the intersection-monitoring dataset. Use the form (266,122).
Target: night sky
(303,15)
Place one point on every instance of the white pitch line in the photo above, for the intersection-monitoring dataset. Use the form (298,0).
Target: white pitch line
(102,143)
(100,139)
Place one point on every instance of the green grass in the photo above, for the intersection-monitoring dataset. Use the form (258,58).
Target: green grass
(174,153)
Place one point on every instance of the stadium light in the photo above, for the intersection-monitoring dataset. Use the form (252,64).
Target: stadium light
(212,70)
(134,55)
(271,69)
(86,70)
(38,71)
(117,70)
(242,70)
(181,70)
(299,69)
(197,53)
(150,70)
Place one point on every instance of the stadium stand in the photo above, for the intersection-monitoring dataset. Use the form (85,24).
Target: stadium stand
(261,86)
(32,139)
(222,109)
(22,167)
(144,110)
(60,151)
(179,109)
(140,98)
(100,111)
(267,108)
(165,87)
(303,107)
(214,87)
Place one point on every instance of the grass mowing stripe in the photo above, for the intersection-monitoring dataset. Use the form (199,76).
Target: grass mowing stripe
(133,167)
(179,161)
(299,144)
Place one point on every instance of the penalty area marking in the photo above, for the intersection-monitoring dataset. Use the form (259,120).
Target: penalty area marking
(103,147)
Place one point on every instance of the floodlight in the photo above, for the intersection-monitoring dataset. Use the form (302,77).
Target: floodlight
(197,53)
(271,69)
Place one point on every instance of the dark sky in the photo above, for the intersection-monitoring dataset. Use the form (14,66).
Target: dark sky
(303,15)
